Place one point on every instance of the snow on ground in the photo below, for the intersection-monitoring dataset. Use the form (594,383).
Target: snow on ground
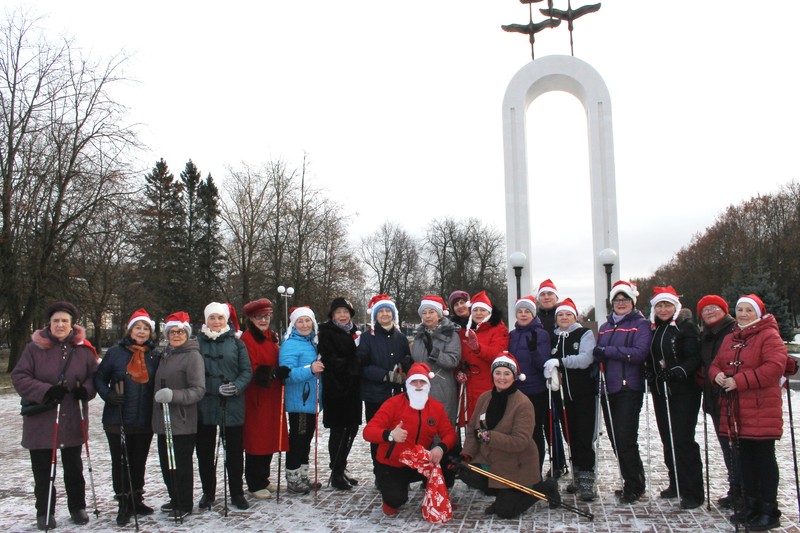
(359,510)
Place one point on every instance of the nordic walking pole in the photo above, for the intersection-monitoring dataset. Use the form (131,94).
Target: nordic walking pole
(119,387)
(170,454)
(649,462)
(81,405)
(550,436)
(794,445)
(316,433)
(733,438)
(671,438)
(705,442)
(224,436)
(280,445)
(529,491)
(610,419)
(566,433)
(52,468)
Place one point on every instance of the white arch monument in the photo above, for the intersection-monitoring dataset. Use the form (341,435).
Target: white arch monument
(571,75)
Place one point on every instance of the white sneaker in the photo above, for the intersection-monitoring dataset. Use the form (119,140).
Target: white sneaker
(262,494)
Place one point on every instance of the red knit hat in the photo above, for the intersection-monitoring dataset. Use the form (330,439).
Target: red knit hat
(458,295)
(179,319)
(664,294)
(625,287)
(419,371)
(711,299)
(567,305)
(755,301)
(506,360)
(547,286)
(481,301)
(141,315)
(434,302)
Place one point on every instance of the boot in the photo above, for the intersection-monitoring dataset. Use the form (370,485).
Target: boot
(549,488)
(294,482)
(586,488)
(306,480)
(43,524)
(139,505)
(746,513)
(767,517)
(353,481)
(125,509)
(206,501)
(339,481)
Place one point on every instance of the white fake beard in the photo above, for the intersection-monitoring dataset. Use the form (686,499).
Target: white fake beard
(419,397)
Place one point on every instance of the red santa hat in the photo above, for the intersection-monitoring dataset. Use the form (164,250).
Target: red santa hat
(528,302)
(567,305)
(711,299)
(378,302)
(664,294)
(547,286)
(755,301)
(481,301)
(506,360)
(233,320)
(434,302)
(297,312)
(179,319)
(625,287)
(216,308)
(419,371)
(143,316)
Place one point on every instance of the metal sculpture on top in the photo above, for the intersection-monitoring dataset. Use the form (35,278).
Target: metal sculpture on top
(556,16)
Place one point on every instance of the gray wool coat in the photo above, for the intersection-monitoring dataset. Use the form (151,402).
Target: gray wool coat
(182,370)
(444,357)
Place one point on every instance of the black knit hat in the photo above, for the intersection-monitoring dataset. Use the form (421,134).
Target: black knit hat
(341,302)
(66,307)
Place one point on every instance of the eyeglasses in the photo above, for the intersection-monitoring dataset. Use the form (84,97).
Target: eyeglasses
(619,301)
(707,310)
(178,332)
(259,318)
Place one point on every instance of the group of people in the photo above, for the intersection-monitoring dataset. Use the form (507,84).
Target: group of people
(520,396)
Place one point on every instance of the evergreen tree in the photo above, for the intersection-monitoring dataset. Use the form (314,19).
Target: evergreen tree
(756,280)
(208,250)
(193,295)
(162,241)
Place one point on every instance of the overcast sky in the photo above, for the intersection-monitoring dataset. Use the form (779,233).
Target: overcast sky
(398,106)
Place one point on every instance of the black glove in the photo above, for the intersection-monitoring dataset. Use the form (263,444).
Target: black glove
(427,341)
(263,376)
(459,463)
(80,393)
(56,393)
(282,372)
(599,352)
(115,398)
(672,375)
(648,374)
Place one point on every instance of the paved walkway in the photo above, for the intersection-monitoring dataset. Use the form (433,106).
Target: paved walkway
(359,510)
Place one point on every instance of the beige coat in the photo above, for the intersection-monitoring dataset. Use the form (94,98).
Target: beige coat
(510,452)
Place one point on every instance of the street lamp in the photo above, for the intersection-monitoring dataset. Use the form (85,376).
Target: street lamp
(517,261)
(608,258)
(286,293)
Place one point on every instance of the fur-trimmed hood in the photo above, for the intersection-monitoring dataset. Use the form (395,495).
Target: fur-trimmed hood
(43,341)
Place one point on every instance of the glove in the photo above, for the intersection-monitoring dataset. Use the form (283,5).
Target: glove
(163,395)
(472,341)
(461,377)
(282,372)
(555,382)
(459,463)
(56,393)
(263,376)
(672,375)
(228,389)
(599,352)
(114,398)
(80,393)
(648,374)
(395,376)
(428,342)
(549,365)
(482,435)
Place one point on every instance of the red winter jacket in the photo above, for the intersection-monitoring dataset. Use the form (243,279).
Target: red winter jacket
(492,340)
(756,358)
(422,427)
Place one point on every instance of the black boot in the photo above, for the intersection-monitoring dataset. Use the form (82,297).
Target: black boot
(549,488)
(353,481)
(767,517)
(747,512)
(139,505)
(339,481)
(125,509)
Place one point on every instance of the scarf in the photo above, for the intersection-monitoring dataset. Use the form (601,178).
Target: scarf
(344,327)
(137,368)
(497,406)
(212,335)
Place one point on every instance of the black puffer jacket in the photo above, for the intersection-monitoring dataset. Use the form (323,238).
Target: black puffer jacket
(678,345)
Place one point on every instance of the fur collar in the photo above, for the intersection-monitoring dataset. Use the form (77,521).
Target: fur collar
(41,339)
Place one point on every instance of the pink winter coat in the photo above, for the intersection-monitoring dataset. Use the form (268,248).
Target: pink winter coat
(756,357)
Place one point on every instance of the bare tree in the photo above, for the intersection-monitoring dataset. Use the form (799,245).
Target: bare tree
(63,147)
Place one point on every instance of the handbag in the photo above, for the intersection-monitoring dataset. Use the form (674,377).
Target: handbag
(31,408)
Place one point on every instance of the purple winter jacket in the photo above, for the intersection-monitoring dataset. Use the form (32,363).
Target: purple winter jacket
(37,370)
(622,348)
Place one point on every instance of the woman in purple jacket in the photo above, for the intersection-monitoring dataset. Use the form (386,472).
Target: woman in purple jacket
(623,345)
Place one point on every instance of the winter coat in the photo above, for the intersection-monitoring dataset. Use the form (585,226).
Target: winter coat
(710,341)
(302,386)
(38,369)
(225,358)
(180,369)
(756,357)
(622,348)
(530,346)
(379,352)
(511,452)
(444,356)
(573,348)
(548,320)
(492,340)
(678,345)
(137,411)
(263,416)
(422,426)
(341,379)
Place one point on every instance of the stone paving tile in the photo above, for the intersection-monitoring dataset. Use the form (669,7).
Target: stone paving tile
(359,510)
